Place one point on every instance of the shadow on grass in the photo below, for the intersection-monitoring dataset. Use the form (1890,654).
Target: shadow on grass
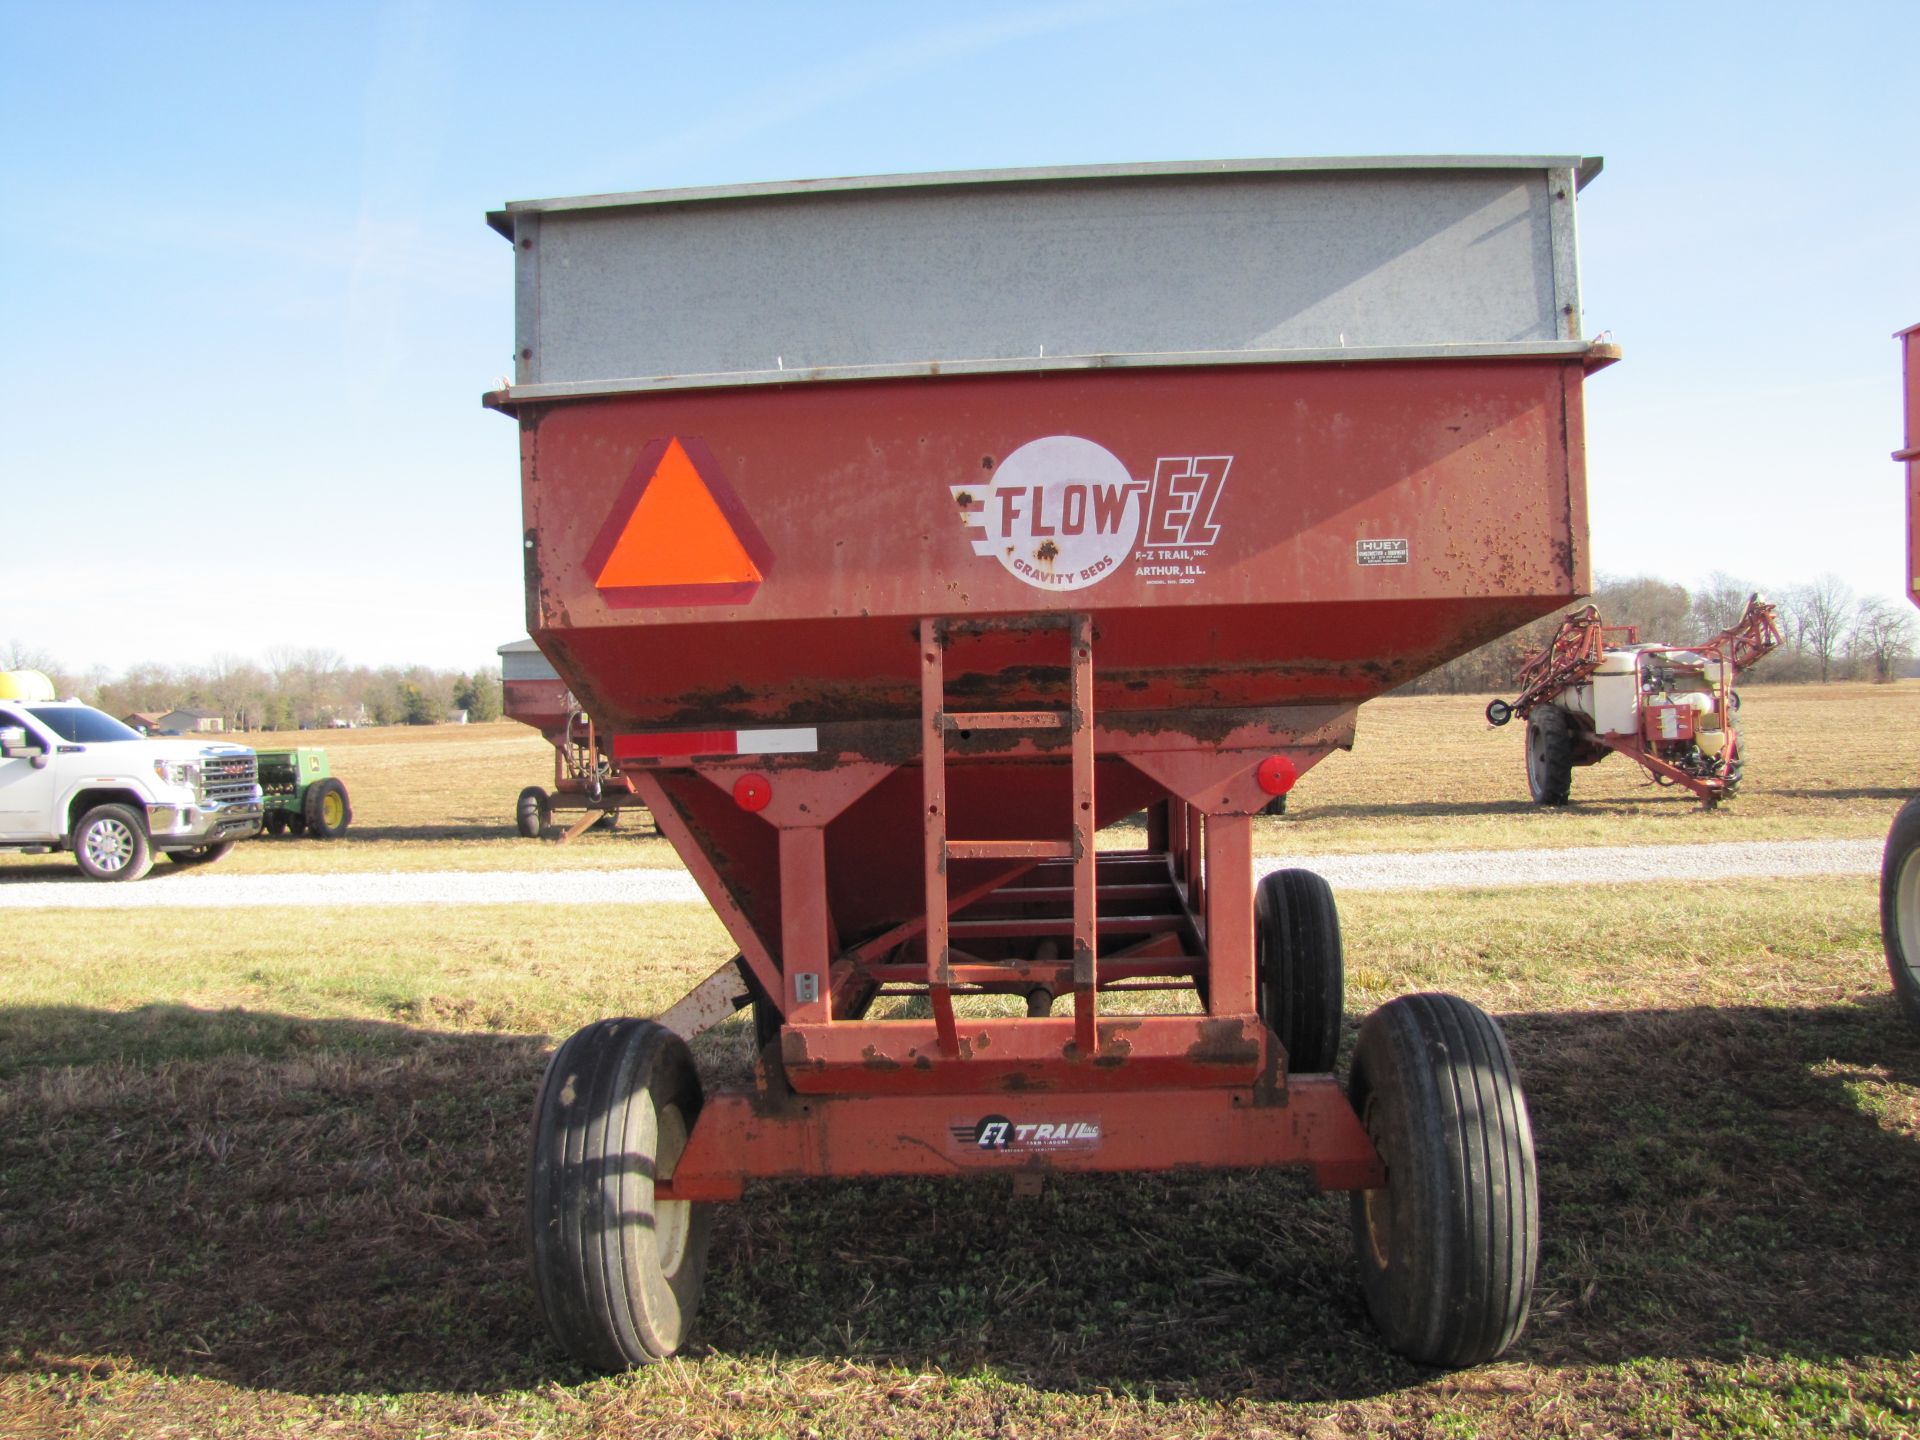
(1467,809)
(1893,794)
(320,1207)
(361,834)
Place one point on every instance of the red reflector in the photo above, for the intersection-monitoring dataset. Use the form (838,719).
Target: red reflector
(752,792)
(1276,774)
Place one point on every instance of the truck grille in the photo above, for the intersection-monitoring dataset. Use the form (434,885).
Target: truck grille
(229,778)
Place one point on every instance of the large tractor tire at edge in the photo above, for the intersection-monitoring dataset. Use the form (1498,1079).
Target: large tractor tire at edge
(1900,907)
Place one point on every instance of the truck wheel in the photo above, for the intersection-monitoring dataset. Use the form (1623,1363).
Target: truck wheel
(1900,907)
(275,822)
(110,843)
(1447,1250)
(532,812)
(1299,978)
(296,823)
(1549,755)
(202,854)
(618,1275)
(325,809)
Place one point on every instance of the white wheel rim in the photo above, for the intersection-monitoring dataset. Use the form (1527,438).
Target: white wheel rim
(110,845)
(1906,913)
(671,1218)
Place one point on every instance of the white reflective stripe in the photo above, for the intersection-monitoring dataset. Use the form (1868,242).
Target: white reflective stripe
(776,742)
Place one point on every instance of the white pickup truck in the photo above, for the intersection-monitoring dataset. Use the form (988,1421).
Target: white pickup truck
(72,778)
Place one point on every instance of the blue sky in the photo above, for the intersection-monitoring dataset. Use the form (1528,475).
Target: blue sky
(251,301)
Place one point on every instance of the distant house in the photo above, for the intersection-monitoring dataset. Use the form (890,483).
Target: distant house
(188,722)
(142,719)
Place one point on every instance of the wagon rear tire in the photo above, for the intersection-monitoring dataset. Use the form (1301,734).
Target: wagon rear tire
(1447,1249)
(532,811)
(1549,755)
(1900,907)
(617,1274)
(1299,973)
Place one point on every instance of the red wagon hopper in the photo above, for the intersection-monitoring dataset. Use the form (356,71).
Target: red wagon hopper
(900,534)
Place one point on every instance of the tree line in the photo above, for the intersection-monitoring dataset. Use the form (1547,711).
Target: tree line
(289,689)
(1827,632)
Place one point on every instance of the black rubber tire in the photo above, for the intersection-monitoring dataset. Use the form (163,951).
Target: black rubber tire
(1499,712)
(110,843)
(326,810)
(296,823)
(1900,907)
(1549,755)
(203,854)
(1447,1250)
(274,822)
(618,1278)
(1275,806)
(1299,976)
(532,812)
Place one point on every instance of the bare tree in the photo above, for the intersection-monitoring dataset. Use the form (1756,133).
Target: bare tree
(1823,614)
(1659,609)
(1718,604)
(1881,636)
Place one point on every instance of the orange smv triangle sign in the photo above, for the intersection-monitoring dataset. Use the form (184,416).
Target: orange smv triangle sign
(677,535)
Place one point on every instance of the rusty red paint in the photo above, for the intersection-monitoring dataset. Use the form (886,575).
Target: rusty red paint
(738,1139)
(976,728)
(1910,453)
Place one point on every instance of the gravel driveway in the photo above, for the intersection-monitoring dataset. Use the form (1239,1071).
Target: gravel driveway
(1445,869)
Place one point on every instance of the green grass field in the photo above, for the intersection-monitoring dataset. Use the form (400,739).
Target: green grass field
(261,1174)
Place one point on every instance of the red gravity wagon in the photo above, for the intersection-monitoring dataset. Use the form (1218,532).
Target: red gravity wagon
(901,533)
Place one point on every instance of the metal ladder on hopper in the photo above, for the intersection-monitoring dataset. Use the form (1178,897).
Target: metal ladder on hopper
(940,724)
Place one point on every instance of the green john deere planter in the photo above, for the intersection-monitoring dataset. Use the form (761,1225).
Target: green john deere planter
(299,793)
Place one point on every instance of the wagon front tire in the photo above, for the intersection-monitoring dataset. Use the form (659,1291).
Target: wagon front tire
(1447,1249)
(1299,972)
(531,812)
(1900,907)
(1549,755)
(617,1274)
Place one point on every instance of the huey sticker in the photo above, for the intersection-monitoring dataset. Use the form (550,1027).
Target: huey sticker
(1063,513)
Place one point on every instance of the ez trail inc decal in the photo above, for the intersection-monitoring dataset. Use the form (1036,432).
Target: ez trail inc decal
(1063,513)
(997,1132)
